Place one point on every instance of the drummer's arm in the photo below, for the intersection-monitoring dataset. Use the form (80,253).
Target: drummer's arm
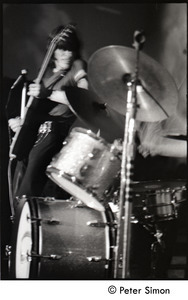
(60,96)
(152,142)
(164,147)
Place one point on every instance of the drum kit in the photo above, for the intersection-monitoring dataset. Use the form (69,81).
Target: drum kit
(88,235)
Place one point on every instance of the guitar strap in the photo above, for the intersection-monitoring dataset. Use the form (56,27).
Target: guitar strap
(52,80)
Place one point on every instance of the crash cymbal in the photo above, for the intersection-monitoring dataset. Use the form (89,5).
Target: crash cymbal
(90,109)
(110,67)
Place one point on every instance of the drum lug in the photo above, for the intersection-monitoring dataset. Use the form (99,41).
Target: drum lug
(83,170)
(65,143)
(79,204)
(49,199)
(95,223)
(8,250)
(33,219)
(47,221)
(51,256)
(92,189)
(12,218)
(113,158)
(53,222)
(94,258)
(95,153)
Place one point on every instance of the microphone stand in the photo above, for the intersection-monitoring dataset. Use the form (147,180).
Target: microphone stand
(122,248)
(11,156)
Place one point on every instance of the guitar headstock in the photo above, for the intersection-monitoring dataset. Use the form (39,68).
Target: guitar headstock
(64,34)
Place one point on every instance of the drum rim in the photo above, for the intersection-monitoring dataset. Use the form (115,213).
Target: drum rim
(14,235)
(158,185)
(91,134)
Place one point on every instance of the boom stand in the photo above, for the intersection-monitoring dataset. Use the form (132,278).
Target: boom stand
(122,249)
(12,157)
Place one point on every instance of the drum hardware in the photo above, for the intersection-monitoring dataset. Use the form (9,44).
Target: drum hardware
(122,250)
(114,206)
(95,223)
(158,235)
(65,143)
(34,219)
(156,247)
(84,170)
(134,220)
(48,199)
(50,257)
(94,258)
(25,257)
(79,204)
(12,219)
(96,152)
(8,252)
(51,221)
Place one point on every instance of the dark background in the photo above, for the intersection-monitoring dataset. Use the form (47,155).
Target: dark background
(26,27)
(24,34)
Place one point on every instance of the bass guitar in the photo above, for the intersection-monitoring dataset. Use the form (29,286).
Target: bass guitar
(19,149)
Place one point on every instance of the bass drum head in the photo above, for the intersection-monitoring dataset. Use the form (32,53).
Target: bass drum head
(22,242)
(60,239)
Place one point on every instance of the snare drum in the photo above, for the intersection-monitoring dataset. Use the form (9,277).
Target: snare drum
(86,166)
(158,200)
(60,239)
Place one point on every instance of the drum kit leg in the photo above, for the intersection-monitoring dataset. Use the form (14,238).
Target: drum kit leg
(88,236)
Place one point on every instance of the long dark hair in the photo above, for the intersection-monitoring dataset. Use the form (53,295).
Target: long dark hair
(69,42)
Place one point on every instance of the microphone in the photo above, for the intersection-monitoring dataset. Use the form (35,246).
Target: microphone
(20,77)
(139,39)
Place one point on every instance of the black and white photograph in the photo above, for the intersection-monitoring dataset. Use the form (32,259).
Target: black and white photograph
(94,143)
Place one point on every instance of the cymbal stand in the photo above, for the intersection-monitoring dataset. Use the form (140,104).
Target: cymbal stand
(157,247)
(122,249)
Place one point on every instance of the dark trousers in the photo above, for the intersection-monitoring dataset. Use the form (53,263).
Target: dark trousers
(40,157)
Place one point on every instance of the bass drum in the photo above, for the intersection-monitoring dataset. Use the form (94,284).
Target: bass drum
(61,239)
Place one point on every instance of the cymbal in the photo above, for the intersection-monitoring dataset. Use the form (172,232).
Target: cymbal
(108,71)
(90,109)
(177,137)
